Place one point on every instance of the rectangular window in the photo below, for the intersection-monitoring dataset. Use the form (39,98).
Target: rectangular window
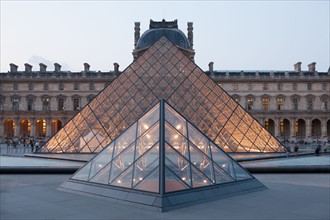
(75,86)
(279,86)
(324,86)
(295,104)
(75,104)
(294,86)
(61,86)
(15,104)
(1,86)
(324,105)
(15,86)
(30,105)
(91,86)
(250,86)
(46,104)
(310,104)
(235,86)
(46,86)
(265,86)
(279,103)
(30,86)
(60,104)
(265,104)
(309,86)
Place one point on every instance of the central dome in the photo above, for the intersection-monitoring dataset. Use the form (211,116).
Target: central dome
(176,36)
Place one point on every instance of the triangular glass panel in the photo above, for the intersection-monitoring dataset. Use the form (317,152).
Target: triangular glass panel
(176,140)
(101,160)
(82,173)
(240,173)
(150,182)
(125,179)
(173,182)
(147,140)
(179,165)
(102,176)
(222,160)
(198,179)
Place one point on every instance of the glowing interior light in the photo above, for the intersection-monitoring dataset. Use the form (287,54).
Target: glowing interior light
(176,136)
(140,178)
(204,181)
(183,178)
(148,136)
(178,126)
(194,163)
(145,126)
(118,181)
(223,165)
(100,165)
(134,180)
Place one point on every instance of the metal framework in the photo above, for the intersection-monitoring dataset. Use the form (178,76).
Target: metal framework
(162,72)
(166,156)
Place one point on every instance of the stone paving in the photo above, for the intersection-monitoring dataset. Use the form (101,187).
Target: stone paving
(300,196)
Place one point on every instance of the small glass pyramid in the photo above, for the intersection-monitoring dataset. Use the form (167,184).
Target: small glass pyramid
(162,152)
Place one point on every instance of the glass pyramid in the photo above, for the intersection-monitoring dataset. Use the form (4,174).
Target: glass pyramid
(162,72)
(161,153)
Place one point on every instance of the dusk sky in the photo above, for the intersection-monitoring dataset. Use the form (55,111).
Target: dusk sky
(235,35)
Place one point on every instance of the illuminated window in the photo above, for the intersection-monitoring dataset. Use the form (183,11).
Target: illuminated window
(282,126)
(75,104)
(249,103)
(265,103)
(279,103)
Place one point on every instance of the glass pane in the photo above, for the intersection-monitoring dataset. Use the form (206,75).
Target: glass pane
(198,179)
(146,164)
(199,140)
(102,176)
(240,173)
(125,139)
(175,120)
(151,182)
(82,174)
(101,160)
(176,140)
(172,182)
(122,161)
(147,140)
(221,176)
(177,164)
(148,119)
(125,179)
(222,160)
(201,161)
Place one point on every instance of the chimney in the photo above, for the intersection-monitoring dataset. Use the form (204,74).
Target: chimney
(136,33)
(190,34)
(312,67)
(28,67)
(13,68)
(211,68)
(43,67)
(116,67)
(297,67)
(86,67)
(57,67)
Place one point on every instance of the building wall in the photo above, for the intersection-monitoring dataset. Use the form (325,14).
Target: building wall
(313,121)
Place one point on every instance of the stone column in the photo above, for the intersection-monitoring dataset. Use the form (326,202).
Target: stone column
(323,130)
(308,129)
(32,128)
(48,127)
(2,131)
(16,130)
(293,129)
(277,127)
